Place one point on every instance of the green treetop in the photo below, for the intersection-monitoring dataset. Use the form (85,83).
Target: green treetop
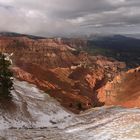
(6,84)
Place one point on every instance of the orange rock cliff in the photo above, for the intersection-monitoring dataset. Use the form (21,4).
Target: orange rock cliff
(75,79)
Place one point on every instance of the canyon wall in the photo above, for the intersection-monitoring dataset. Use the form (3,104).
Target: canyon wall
(49,53)
(124,90)
(72,77)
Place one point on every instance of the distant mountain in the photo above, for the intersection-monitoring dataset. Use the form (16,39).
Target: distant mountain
(137,36)
(118,42)
(122,36)
(12,34)
(117,46)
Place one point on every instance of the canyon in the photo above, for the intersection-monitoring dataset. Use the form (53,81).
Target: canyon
(62,92)
(76,79)
(70,76)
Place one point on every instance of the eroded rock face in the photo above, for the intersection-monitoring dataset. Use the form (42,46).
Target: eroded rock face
(75,95)
(50,53)
(76,89)
(72,77)
(124,90)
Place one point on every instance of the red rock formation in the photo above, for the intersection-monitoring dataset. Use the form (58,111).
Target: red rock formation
(69,86)
(56,83)
(47,52)
(54,66)
(124,90)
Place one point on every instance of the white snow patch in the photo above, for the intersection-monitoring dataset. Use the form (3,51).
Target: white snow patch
(37,110)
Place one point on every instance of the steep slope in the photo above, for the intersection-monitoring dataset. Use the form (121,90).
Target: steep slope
(75,88)
(123,90)
(30,108)
(49,53)
(55,66)
(34,115)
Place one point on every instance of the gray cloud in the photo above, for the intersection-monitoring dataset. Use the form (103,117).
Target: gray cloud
(63,17)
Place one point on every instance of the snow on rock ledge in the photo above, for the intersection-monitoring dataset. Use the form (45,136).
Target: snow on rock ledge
(31,108)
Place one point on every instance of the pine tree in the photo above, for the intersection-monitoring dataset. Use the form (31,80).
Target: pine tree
(6,84)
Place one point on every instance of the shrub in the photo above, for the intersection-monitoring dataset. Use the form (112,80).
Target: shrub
(79,105)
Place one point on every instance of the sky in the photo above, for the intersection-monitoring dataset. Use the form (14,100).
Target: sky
(70,17)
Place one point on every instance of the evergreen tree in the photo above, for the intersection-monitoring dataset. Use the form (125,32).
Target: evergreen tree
(6,84)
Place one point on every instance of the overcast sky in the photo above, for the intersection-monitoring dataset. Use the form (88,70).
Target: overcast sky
(64,17)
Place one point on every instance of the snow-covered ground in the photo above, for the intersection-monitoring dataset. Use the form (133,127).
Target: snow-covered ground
(31,108)
(36,116)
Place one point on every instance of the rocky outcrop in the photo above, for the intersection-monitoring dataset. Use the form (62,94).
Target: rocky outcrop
(76,89)
(57,84)
(72,77)
(124,90)
(49,53)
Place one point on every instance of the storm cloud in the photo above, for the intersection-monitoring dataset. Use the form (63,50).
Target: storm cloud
(64,17)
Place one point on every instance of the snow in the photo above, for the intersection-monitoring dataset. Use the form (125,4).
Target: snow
(37,116)
(33,109)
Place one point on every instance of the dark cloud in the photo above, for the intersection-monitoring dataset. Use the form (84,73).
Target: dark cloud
(63,17)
